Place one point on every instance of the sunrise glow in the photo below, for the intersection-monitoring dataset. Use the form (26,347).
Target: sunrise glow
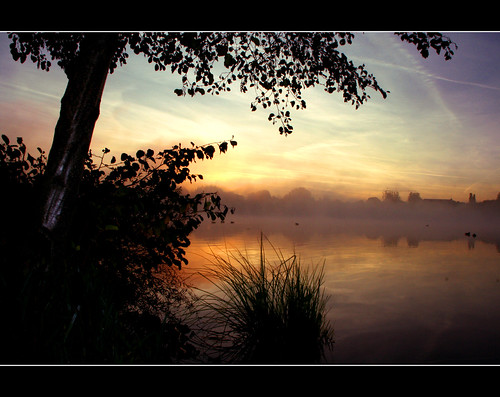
(436,133)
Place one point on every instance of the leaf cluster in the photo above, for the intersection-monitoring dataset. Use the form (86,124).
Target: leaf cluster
(117,296)
(21,179)
(425,41)
(138,209)
(134,208)
(277,66)
(42,48)
(17,165)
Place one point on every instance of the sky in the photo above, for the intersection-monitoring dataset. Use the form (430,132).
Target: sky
(437,132)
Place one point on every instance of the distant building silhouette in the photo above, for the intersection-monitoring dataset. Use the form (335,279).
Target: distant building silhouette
(450,201)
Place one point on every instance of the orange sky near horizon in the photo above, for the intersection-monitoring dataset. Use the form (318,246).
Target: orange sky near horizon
(436,133)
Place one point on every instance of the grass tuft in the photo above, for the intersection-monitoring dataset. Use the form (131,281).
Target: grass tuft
(264,312)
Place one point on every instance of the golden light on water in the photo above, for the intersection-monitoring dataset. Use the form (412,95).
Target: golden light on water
(413,295)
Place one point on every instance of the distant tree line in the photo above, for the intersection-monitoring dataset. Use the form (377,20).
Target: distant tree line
(301,202)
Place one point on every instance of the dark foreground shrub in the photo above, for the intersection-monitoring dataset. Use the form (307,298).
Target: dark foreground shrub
(117,297)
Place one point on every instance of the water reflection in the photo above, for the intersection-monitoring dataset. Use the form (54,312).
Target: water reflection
(401,292)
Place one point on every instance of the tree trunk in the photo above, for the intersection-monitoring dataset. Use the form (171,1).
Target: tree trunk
(73,133)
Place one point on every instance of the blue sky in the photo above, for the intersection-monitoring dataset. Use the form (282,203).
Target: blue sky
(436,133)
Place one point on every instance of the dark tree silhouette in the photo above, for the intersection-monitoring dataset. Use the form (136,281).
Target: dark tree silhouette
(116,294)
(277,65)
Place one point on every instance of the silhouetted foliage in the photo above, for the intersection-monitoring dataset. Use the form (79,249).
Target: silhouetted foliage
(114,297)
(424,41)
(278,66)
(391,196)
(138,203)
(21,183)
(414,197)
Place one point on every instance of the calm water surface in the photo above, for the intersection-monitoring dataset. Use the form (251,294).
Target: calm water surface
(400,292)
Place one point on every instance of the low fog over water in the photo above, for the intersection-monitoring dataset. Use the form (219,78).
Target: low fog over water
(300,217)
(410,282)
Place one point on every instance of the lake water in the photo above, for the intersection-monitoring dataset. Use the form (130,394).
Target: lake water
(400,292)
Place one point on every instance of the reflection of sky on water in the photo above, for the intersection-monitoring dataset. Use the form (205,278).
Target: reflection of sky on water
(397,296)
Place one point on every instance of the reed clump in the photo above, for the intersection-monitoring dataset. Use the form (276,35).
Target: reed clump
(264,312)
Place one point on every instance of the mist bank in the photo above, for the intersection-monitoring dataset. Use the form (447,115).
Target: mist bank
(321,231)
(300,203)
